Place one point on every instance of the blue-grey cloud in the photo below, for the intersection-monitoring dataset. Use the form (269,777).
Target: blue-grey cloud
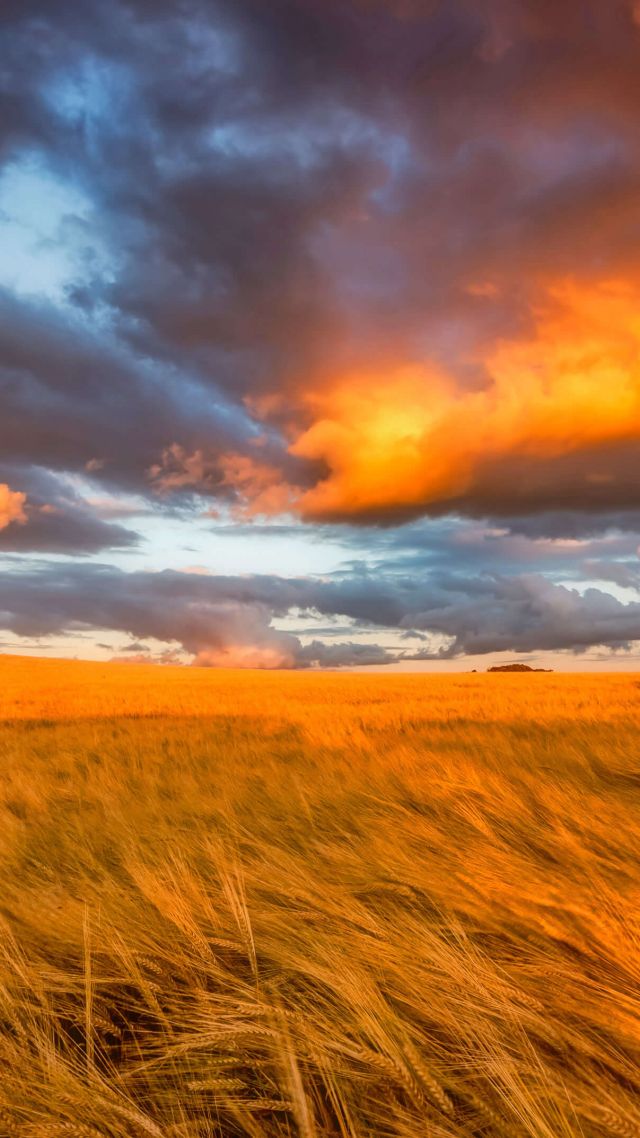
(219,619)
(55,518)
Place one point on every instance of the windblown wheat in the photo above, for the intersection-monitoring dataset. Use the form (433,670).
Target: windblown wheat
(367,907)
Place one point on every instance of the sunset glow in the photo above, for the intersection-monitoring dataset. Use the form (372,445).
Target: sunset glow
(413,438)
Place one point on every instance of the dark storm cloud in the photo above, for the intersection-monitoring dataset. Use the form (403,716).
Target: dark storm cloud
(230,620)
(587,485)
(71,396)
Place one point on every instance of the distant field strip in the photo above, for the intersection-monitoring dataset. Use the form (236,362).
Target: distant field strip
(318,905)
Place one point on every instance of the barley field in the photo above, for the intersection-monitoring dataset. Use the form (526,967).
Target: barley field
(284,904)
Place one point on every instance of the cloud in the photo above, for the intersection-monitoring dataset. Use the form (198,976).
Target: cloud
(526,614)
(348,654)
(230,621)
(259,487)
(11,506)
(413,440)
(68,387)
(426,181)
(53,517)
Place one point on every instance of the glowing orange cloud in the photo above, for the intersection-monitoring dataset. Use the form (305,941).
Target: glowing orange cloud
(12,504)
(414,438)
(259,486)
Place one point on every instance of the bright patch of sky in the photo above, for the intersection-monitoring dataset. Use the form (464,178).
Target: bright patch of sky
(624,593)
(47,232)
(175,541)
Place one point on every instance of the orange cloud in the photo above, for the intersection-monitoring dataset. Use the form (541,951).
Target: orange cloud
(179,470)
(12,504)
(413,438)
(259,486)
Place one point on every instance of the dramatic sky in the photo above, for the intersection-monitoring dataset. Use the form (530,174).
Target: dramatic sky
(320,331)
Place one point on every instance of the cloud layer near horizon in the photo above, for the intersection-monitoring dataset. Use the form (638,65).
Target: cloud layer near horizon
(230,620)
(357,263)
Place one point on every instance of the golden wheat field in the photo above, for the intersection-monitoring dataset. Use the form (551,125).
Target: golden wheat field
(318,905)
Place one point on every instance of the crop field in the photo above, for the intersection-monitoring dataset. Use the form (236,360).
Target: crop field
(285,904)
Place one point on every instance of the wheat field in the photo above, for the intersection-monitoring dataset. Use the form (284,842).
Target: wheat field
(318,905)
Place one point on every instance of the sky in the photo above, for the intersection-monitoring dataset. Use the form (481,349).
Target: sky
(320,332)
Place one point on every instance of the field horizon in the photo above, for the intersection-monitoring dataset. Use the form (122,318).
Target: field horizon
(275,904)
(70,687)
